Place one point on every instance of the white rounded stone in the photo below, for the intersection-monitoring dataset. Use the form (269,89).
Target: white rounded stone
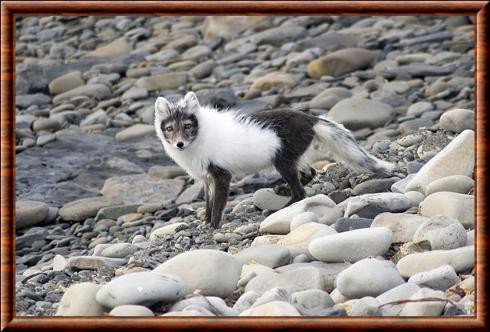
(119,250)
(131,310)
(414,197)
(388,202)
(403,225)
(84,208)
(440,278)
(468,303)
(297,241)
(136,131)
(280,222)
(453,183)
(213,272)
(275,308)
(266,239)
(30,213)
(426,308)
(366,306)
(311,302)
(145,288)
(337,296)
(457,120)
(460,259)
(368,277)
(192,310)
(458,206)
(158,234)
(79,300)
(303,218)
(59,263)
(442,232)
(271,255)
(292,281)
(401,292)
(353,245)
(267,199)
(214,304)
(94,262)
(329,271)
(246,300)
(419,108)
(456,158)
(273,294)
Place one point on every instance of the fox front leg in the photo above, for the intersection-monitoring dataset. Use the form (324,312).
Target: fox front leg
(208,198)
(219,187)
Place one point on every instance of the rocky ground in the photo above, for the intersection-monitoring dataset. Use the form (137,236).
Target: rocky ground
(106,224)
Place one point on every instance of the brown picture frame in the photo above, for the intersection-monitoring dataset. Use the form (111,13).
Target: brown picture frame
(9,9)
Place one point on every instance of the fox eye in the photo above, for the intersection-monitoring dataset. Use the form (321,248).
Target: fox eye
(187,126)
(169,129)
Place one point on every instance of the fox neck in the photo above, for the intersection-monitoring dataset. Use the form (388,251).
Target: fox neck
(190,159)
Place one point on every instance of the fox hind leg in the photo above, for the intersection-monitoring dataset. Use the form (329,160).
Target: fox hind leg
(305,178)
(290,174)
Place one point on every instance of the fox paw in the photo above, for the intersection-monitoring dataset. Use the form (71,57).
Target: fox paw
(282,190)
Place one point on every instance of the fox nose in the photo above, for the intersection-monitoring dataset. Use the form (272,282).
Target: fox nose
(180,145)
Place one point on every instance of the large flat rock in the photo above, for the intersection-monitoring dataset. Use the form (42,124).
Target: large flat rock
(142,188)
(77,164)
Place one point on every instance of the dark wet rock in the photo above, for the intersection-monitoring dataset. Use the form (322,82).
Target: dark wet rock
(431,38)
(361,113)
(221,98)
(76,176)
(348,224)
(329,97)
(373,186)
(97,91)
(36,78)
(38,99)
(413,125)
(418,70)
(191,194)
(203,69)
(274,36)
(330,41)
(28,238)
(24,121)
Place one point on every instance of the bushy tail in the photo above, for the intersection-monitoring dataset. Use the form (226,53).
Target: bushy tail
(343,146)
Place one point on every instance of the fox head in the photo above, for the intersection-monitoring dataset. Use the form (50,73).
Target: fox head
(176,123)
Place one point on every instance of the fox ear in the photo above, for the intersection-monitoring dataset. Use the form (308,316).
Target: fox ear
(190,100)
(162,108)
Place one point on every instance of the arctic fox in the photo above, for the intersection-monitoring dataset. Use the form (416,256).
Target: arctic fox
(211,145)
